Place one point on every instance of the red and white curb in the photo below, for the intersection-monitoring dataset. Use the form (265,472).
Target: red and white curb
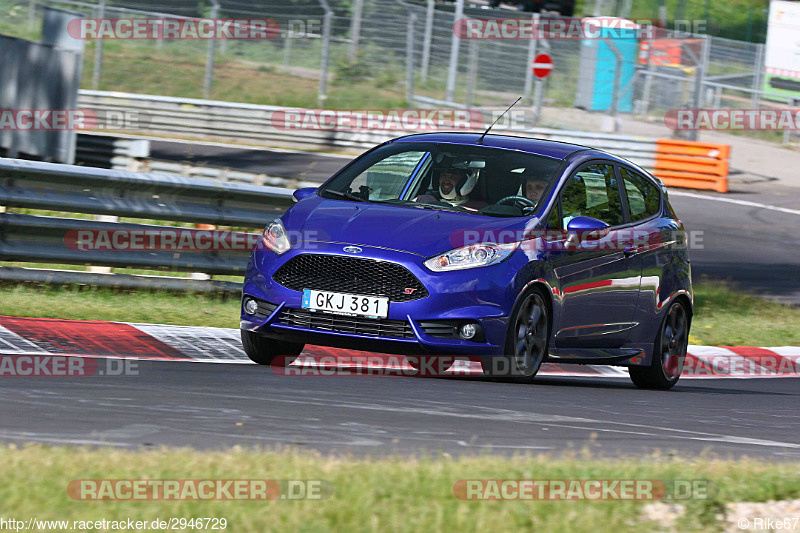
(80,338)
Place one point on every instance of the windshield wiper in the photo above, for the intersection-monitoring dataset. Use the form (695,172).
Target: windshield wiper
(425,205)
(345,194)
(445,207)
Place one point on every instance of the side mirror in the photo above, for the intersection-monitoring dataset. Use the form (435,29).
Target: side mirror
(582,229)
(299,194)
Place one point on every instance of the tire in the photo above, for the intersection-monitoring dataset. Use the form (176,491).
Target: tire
(263,351)
(527,340)
(426,362)
(669,352)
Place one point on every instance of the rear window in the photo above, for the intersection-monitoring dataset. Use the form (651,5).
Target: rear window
(644,198)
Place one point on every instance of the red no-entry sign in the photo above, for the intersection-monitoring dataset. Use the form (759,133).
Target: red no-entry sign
(542,65)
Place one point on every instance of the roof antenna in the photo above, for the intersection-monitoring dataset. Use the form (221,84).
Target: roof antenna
(480,141)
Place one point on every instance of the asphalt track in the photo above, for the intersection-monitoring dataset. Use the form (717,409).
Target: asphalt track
(754,247)
(295,164)
(214,406)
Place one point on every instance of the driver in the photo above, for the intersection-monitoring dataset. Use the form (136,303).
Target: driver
(533,187)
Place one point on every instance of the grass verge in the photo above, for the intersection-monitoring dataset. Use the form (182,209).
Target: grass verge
(723,315)
(91,303)
(384,494)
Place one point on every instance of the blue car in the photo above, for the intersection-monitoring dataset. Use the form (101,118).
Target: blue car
(513,251)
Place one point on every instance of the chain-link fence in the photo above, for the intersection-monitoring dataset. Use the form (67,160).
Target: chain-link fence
(394,53)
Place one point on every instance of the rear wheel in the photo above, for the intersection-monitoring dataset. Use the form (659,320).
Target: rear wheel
(526,341)
(669,352)
(263,351)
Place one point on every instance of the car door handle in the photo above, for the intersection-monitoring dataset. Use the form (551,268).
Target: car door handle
(630,249)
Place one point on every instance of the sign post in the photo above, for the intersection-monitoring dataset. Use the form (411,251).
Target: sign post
(542,66)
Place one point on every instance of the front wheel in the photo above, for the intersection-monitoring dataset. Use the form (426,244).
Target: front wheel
(527,341)
(669,352)
(263,351)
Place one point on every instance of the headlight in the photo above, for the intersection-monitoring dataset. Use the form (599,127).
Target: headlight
(275,238)
(471,256)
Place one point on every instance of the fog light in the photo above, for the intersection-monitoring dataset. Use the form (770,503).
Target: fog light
(468,331)
(250,306)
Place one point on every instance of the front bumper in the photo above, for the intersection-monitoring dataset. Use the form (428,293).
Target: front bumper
(485,295)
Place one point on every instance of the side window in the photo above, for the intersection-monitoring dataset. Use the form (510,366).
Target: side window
(554,220)
(592,192)
(643,196)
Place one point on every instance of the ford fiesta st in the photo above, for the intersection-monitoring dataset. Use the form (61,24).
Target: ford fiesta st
(512,250)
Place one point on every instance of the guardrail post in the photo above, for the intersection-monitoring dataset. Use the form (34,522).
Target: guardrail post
(103,269)
(98,50)
(326,45)
(426,43)
(212,43)
(455,41)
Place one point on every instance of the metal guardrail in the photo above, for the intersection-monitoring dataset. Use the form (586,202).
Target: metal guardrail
(41,239)
(115,281)
(108,151)
(224,174)
(75,189)
(117,192)
(248,123)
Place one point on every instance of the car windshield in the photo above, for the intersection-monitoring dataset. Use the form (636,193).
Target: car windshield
(465,178)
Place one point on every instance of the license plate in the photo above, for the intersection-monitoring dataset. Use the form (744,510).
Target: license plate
(346,304)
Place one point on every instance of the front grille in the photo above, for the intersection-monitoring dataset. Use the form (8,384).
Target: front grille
(380,327)
(354,275)
(264,309)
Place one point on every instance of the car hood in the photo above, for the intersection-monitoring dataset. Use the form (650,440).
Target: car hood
(425,232)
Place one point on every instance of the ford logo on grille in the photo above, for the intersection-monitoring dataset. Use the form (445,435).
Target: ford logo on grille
(352,249)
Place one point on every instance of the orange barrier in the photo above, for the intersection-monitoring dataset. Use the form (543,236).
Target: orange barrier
(691,164)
